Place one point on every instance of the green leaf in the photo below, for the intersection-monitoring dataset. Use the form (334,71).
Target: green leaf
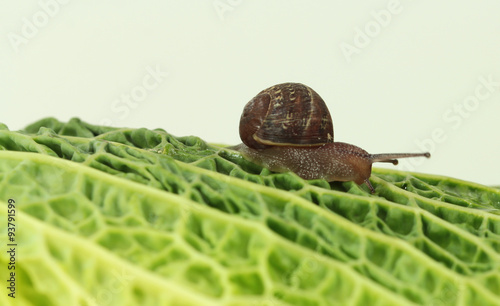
(110,216)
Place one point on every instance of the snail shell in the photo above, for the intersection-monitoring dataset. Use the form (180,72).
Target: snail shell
(288,114)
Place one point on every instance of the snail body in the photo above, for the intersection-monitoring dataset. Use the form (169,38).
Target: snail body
(287,127)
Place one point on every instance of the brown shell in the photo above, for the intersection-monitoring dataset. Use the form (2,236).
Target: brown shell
(288,114)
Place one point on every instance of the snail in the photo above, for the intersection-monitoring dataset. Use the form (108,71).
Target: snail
(287,127)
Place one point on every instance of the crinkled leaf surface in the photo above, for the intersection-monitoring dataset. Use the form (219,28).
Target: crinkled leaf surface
(108,216)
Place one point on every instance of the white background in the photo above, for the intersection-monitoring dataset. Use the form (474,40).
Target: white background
(412,65)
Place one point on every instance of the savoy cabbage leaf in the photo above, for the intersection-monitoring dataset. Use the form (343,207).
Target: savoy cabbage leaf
(110,216)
